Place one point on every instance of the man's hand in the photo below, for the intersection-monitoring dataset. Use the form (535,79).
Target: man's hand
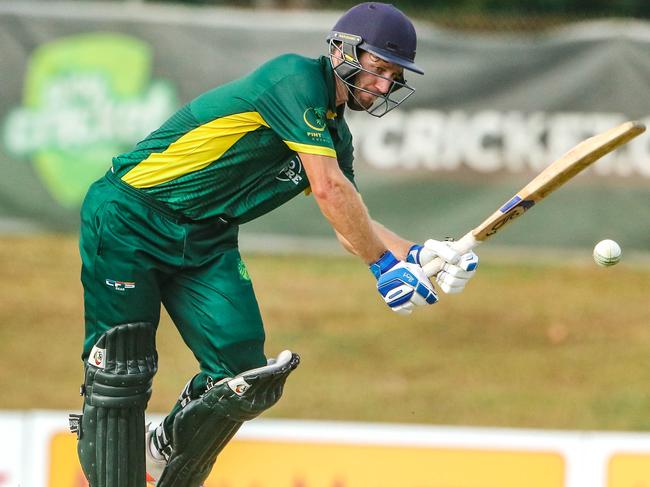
(457,270)
(402,285)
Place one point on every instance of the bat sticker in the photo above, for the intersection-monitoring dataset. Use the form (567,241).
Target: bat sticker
(513,211)
(513,201)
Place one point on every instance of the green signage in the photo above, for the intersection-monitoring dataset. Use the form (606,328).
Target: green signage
(86,98)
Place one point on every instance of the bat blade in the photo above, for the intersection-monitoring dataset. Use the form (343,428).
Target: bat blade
(552,177)
(556,174)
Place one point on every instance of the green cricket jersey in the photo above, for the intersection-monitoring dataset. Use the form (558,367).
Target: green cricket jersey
(231,152)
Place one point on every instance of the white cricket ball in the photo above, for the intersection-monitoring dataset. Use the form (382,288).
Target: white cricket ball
(607,252)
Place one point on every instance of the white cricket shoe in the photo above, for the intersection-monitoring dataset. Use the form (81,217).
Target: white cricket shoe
(156,461)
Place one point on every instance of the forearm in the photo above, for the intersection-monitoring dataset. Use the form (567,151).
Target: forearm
(396,244)
(393,242)
(346,245)
(345,211)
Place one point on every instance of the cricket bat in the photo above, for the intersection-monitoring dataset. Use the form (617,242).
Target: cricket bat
(555,175)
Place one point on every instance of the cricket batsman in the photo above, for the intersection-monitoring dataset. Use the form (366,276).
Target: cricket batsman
(161,227)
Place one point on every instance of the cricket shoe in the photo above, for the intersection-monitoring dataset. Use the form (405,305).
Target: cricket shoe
(157,452)
(155,456)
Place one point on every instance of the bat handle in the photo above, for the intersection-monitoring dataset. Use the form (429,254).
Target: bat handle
(462,246)
(432,268)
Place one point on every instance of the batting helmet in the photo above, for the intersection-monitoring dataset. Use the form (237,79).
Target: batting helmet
(383,31)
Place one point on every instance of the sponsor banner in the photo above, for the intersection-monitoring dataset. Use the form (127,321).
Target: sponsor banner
(64,468)
(490,112)
(264,463)
(492,142)
(285,453)
(628,470)
(332,465)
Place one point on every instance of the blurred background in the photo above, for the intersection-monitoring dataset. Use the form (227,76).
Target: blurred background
(536,375)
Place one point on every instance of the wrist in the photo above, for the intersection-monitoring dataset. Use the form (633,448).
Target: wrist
(381,265)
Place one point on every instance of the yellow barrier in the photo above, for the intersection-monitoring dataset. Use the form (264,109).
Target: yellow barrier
(249,463)
(629,470)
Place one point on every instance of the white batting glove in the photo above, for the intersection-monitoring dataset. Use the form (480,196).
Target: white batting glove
(457,270)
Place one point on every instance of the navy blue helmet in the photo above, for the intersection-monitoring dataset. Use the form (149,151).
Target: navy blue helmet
(384,31)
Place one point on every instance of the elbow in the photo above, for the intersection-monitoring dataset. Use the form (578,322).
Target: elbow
(328,190)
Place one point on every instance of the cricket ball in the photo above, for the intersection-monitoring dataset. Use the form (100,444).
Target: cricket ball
(607,253)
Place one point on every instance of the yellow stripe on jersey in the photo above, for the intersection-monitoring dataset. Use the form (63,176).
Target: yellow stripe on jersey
(194,151)
(311,149)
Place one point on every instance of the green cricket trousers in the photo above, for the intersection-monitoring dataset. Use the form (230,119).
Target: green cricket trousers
(136,254)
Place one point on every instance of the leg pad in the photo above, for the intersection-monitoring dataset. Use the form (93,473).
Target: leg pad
(118,377)
(205,425)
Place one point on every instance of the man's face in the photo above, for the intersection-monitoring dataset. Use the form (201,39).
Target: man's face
(381,84)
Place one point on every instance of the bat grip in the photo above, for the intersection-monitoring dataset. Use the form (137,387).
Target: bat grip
(462,246)
(432,268)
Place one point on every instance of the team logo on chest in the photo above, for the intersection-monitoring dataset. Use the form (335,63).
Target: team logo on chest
(292,171)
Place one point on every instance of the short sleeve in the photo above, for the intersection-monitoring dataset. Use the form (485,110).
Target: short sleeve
(295,108)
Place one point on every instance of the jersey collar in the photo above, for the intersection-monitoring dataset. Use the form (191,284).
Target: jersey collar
(328,74)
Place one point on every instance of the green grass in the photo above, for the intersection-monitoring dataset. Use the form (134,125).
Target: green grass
(538,345)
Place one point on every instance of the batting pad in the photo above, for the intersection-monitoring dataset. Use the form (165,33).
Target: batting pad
(205,425)
(117,387)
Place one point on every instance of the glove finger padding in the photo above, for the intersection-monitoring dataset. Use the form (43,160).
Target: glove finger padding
(455,271)
(436,248)
(452,279)
(468,262)
(450,284)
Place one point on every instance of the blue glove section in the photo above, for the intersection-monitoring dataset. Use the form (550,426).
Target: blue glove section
(413,257)
(391,287)
(427,292)
(400,282)
(385,262)
(397,286)
(469,262)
